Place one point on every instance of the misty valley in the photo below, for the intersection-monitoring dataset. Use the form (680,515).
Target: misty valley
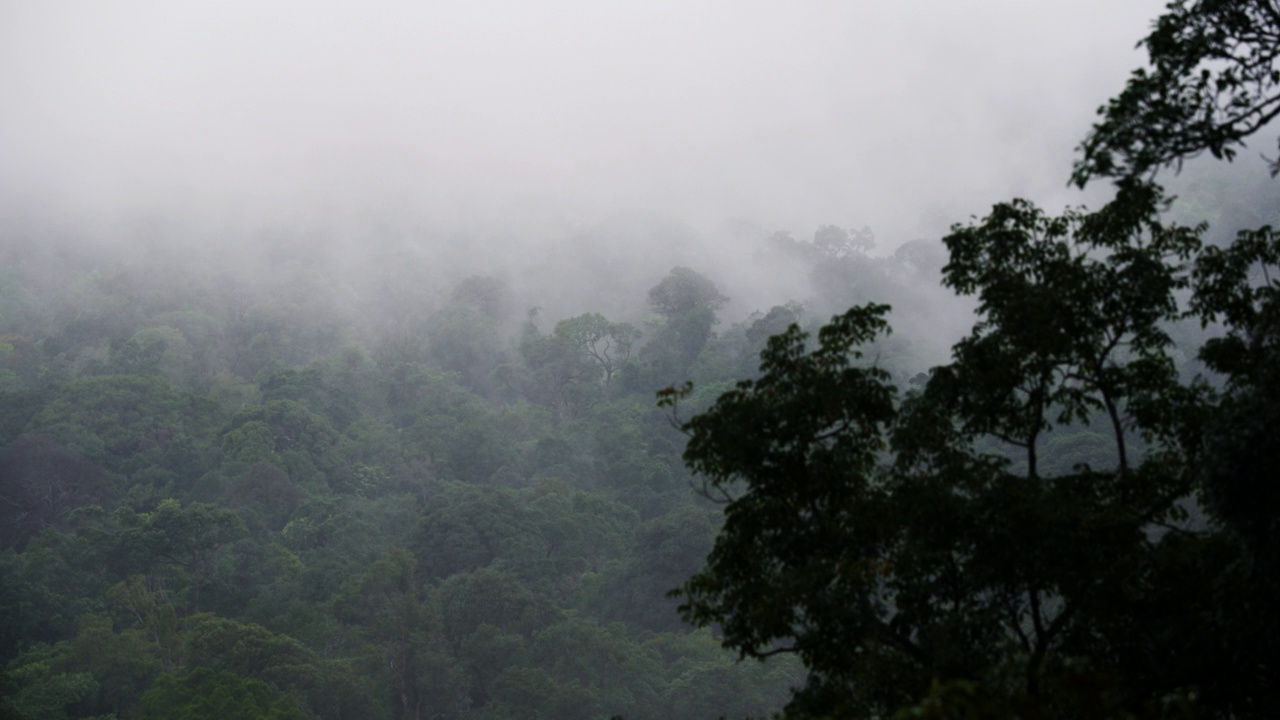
(505,361)
(326,487)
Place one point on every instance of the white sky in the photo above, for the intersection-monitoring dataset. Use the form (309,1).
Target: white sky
(905,115)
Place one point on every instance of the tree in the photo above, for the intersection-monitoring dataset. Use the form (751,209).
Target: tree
(874,538)
(465,340)
(1070,318)
(1214,79)
(1241,460)
(913,551)
(803,438)
(488,295)
(205,694)
(607,344)
(309,388)
(122,665)
(44,694)
(110,419)
(403,633)
(267,492)
(284,433)
(775,322)
(664,551)
(560,373)
(190,540)
(40,483)
(835,241)
(687,302)
(682,291)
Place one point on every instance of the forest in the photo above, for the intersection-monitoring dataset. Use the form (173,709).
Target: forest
(927,553)
(227,497)
(1026,471)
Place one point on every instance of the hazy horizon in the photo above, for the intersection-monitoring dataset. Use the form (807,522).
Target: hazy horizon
(519,119)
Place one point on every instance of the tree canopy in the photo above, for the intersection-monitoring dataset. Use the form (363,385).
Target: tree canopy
(1213,80)
(912,549)
(317,489)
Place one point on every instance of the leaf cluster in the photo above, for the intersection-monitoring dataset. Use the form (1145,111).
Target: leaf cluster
(890,539)
(1213,80)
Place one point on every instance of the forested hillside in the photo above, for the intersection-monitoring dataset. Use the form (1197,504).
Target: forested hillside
(300,489)
(346,373)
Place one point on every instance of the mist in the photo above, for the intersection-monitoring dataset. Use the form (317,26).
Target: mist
(568,148)
(894,115)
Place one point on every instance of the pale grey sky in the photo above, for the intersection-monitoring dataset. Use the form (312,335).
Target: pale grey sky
(903,115)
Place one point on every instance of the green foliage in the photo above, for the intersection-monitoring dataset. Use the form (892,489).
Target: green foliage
(109,419)
(919,553)
(607,344)
(802,541)
(310,388)
(1213,80)
(467,341)
(123,664)
(245,650)
(617,675)
(572,368)
(683,291)
(305,494)
(266,492)
(877,540)
(205,694)
(187,541)
(490,296)
(1071,311)
(665,551)
(286,434)
(219,504)
(17,407)
(499,599)
(40,484)
(43,692)
(671,353)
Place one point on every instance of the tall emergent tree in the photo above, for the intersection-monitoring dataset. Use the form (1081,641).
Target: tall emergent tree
(913,549)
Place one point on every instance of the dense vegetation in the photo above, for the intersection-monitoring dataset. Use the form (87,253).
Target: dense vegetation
(928,552)
(295,489)
(316,483)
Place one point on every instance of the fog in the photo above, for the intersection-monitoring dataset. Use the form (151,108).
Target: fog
(504,135)
(903,116)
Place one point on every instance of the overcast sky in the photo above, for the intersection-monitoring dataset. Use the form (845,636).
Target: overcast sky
(902,115)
